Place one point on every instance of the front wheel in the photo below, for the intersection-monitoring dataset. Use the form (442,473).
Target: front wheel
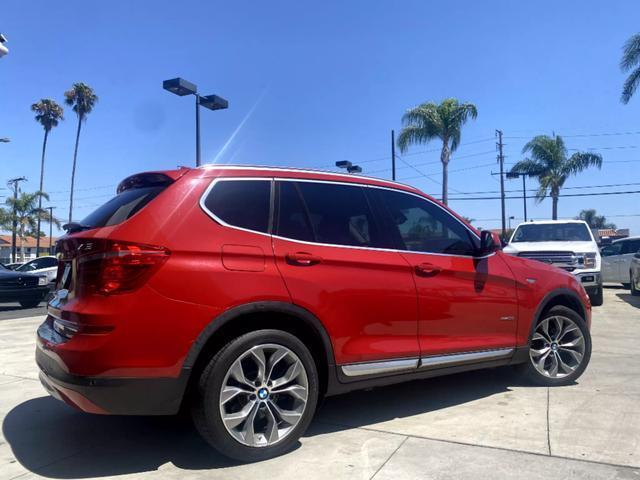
(597,298)
(257,395)
(559,350)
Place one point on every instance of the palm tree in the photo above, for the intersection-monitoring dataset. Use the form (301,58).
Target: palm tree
(630,62)
(551,166)
(429,121)
(82,98)
(27,216)
(48,114)
(594,220)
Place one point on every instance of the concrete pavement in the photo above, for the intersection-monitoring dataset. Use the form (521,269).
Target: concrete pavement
(483,424)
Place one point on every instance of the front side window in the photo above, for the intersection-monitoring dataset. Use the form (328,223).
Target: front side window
(630,246)
(328,213)
(422,226)
(241,203)
(610,250)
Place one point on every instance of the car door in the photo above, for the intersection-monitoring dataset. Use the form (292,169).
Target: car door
(465,303)
(610,262)
(327,247)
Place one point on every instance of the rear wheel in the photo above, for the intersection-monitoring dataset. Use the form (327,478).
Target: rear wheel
(560,348)
(257,395)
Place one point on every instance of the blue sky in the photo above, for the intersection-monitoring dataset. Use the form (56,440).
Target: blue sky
(320,82)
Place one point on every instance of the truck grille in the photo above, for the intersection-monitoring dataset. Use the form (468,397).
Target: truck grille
(566,260)
(19,282)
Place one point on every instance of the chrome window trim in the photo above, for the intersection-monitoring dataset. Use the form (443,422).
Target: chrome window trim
(424,362)
(304,242)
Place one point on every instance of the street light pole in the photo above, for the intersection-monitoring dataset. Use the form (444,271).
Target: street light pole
(14,223)
(181,87)
(50,228)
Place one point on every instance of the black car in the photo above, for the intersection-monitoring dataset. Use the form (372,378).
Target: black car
(26,288)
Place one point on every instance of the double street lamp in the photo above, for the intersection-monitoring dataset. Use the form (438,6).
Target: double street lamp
(182,87)
(348,166)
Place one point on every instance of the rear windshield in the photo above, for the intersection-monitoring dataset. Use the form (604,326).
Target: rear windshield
(122,206)
(552,232)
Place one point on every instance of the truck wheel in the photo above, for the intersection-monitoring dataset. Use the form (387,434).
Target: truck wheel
(559,350)
(634,291)
(31,303)
(257,395)
(597,298)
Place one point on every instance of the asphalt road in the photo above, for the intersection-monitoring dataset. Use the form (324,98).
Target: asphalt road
(15,310)
(478,425)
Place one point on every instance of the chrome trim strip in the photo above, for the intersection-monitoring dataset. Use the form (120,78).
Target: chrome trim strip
(455,358)
(224,224)
(373,368)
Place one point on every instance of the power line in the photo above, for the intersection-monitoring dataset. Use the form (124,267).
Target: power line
(579,135)
(561,195)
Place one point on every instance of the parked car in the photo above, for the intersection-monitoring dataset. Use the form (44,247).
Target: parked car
(634,280)
(248,293)
(616,260)
(43,266)
(566,244)
(26,288)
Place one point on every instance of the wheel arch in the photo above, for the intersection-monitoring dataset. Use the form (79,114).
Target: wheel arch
(258,315)
(561,296)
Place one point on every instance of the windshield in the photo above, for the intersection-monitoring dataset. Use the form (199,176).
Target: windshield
(552,232)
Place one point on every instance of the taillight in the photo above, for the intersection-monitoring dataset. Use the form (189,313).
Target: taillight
(110,267)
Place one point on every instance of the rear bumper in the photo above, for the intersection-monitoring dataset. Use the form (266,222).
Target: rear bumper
(18,294)
(106,395)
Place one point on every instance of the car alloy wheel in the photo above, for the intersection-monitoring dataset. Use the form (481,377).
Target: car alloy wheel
(557,347)
(264,395)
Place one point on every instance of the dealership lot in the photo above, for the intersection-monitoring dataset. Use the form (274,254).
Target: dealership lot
(483,424)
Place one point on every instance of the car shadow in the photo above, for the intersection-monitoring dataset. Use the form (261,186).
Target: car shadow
(630,299)
(56,441)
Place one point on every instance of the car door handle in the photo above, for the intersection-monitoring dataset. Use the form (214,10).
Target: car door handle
(302,259)
(427,270)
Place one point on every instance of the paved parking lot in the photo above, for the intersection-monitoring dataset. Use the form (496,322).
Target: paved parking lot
(484,424)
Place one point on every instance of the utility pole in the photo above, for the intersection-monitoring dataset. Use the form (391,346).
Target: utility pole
(499,144)
(393,155)
(15,182)
(524,195)
(50,228)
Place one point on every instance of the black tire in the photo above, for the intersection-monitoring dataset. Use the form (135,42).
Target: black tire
(634,291)
(206,411)
(597,298)
(532,375)
(30,303)
(626,285)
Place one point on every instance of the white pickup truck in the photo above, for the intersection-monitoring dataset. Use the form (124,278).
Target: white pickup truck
(567,244)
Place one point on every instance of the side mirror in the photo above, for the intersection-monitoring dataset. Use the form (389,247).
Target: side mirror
(488,243)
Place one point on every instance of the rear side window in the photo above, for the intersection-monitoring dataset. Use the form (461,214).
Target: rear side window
(241,203)
(630,246)
(326,213)
(122,207)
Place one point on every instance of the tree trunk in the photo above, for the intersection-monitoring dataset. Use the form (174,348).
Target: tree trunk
(73,169)
(444,158)
(554,202)
(44,149)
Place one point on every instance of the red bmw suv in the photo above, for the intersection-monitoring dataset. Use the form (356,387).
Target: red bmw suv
(247,293)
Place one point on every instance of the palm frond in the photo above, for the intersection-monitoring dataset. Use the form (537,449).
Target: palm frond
(414,135)
(581,161)
(531,167)
(630,86)
(81,98)
(630,53)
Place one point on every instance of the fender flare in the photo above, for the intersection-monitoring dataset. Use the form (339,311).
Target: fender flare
(547,299)
(259,307)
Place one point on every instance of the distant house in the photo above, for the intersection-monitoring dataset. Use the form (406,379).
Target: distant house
(607,235)
(29,245)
